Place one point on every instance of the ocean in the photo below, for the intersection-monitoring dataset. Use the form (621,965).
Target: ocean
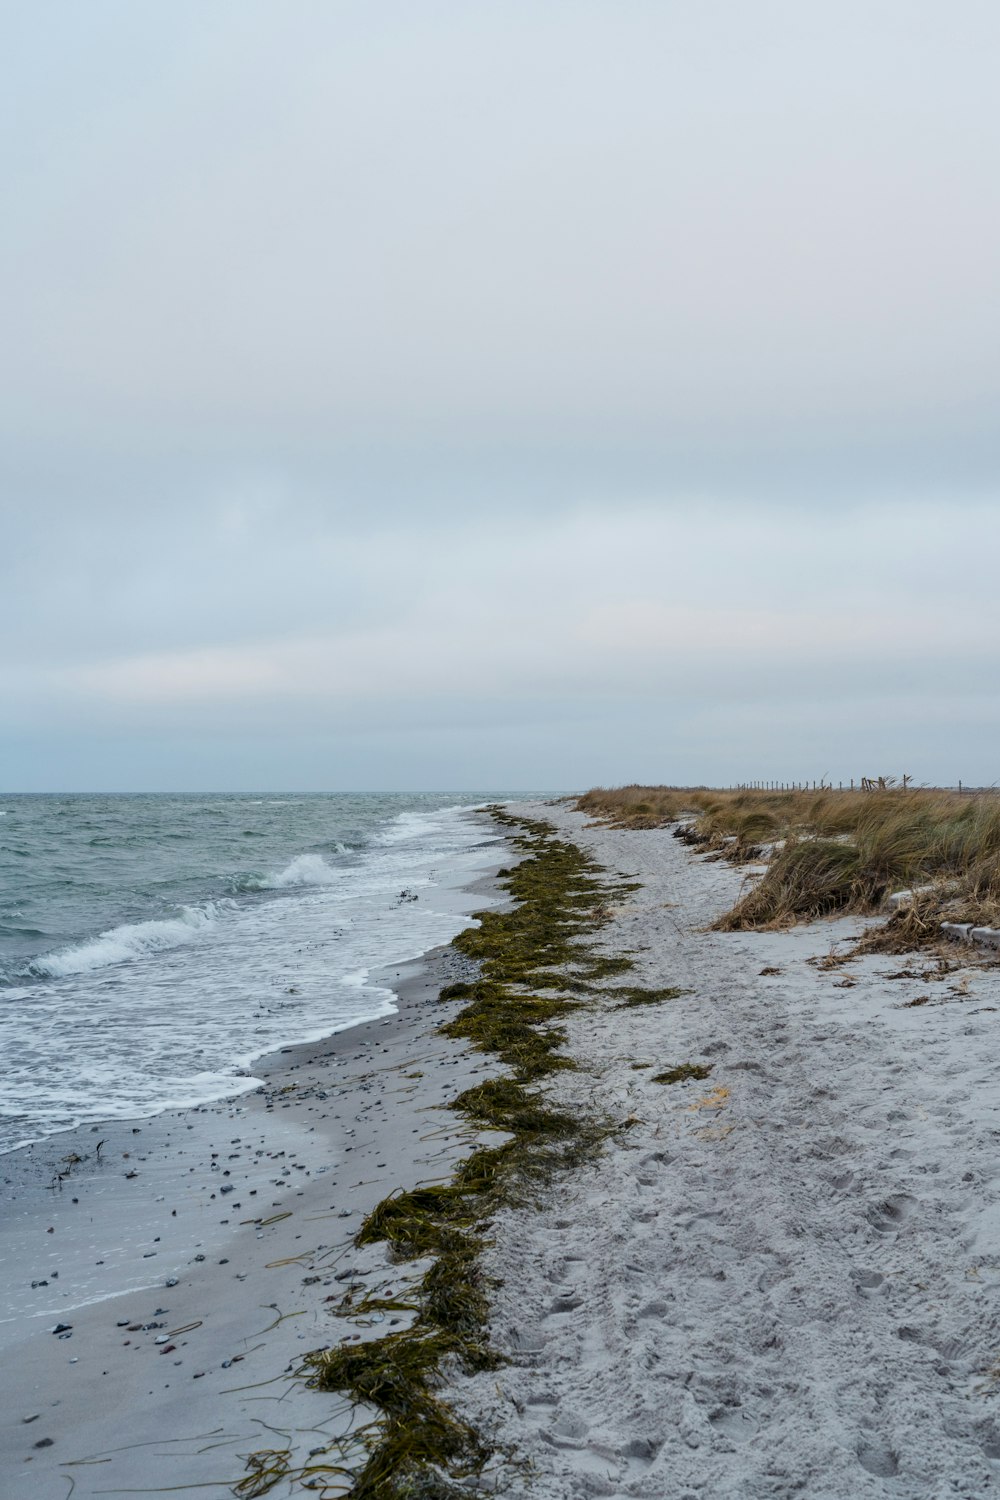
(152,947)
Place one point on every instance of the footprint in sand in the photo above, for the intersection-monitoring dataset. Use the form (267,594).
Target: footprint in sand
(733,1423)
(875,1455)
(888,1215)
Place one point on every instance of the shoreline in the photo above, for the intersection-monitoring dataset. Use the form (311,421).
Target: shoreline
(16,1172)
(306,1153)
(780,1271)
(175,1010)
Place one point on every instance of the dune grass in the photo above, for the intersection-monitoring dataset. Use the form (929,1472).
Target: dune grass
(835,852)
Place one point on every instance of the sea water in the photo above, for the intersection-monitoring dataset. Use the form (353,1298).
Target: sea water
(152,947)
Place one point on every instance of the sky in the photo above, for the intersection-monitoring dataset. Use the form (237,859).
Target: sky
(536,394)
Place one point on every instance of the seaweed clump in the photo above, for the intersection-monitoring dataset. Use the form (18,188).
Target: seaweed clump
(683,1073)
(416,1446)
(630,996)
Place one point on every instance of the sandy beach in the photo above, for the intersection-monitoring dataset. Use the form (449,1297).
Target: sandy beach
(782,1279)
(231,1226)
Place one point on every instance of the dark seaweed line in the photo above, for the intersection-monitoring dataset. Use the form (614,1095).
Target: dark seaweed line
(417,1446)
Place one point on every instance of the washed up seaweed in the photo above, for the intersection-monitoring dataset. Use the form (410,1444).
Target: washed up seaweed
(537,963)
(630,996)
(683,1073)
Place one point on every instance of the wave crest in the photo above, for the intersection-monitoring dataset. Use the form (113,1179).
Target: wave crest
(131,940)
(305,869)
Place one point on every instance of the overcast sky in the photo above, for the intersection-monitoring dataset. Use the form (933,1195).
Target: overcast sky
(428,394)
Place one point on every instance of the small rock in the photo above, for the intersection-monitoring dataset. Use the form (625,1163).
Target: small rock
(62,1328)
(44,1443)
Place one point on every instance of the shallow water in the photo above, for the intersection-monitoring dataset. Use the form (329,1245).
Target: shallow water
(152,947)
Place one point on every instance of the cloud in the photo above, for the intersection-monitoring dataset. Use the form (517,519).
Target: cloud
(409,382)
(660,599)
(695,234)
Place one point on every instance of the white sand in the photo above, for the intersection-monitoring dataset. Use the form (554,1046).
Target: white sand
(783,1281)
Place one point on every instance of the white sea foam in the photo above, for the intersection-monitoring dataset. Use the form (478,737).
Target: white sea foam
(305,869)
(131,940)
(408,825)
(186,1002)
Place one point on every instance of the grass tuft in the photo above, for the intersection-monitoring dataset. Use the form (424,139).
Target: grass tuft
(840,852)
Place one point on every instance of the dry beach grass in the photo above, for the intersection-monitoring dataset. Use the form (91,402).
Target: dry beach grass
(835,852)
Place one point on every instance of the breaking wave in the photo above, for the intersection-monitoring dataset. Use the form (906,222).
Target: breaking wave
(131,940)
(305,869)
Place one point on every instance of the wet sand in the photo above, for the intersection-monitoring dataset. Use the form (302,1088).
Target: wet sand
(231,1227)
